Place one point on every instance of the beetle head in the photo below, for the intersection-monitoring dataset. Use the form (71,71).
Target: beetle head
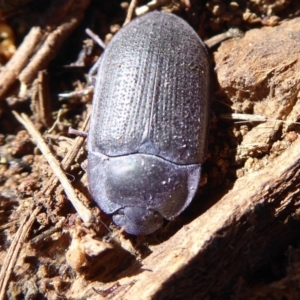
(138,220)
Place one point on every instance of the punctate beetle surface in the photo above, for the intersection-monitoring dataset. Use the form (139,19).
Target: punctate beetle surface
(149,123)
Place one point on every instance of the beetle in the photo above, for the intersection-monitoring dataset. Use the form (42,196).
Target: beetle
(149,123)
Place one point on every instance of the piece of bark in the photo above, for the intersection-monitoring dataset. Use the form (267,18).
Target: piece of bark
(41,104)
(262,69)
(245,229)
(248,227)
(259,74)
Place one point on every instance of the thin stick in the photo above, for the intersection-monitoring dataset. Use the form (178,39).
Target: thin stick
(48,232)
(7,225)
(95,37)
(69,158)
(130,11)
(14,250)
(253,118)
(150,6)
(73,12)
(42,43)
(77,132)
(82,211)
(232,33)
(18,62)
(86,91)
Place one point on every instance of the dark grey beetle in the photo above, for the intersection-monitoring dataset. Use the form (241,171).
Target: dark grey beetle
(148,130)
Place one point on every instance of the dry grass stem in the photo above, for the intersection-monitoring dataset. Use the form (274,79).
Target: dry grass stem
(82,211)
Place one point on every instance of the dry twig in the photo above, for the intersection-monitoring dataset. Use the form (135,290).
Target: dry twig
(232,33)
(41,104)
(83,212)
(253,118)
(130,11)
(150,6)
(41,44)
(14,249)
(69,158)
